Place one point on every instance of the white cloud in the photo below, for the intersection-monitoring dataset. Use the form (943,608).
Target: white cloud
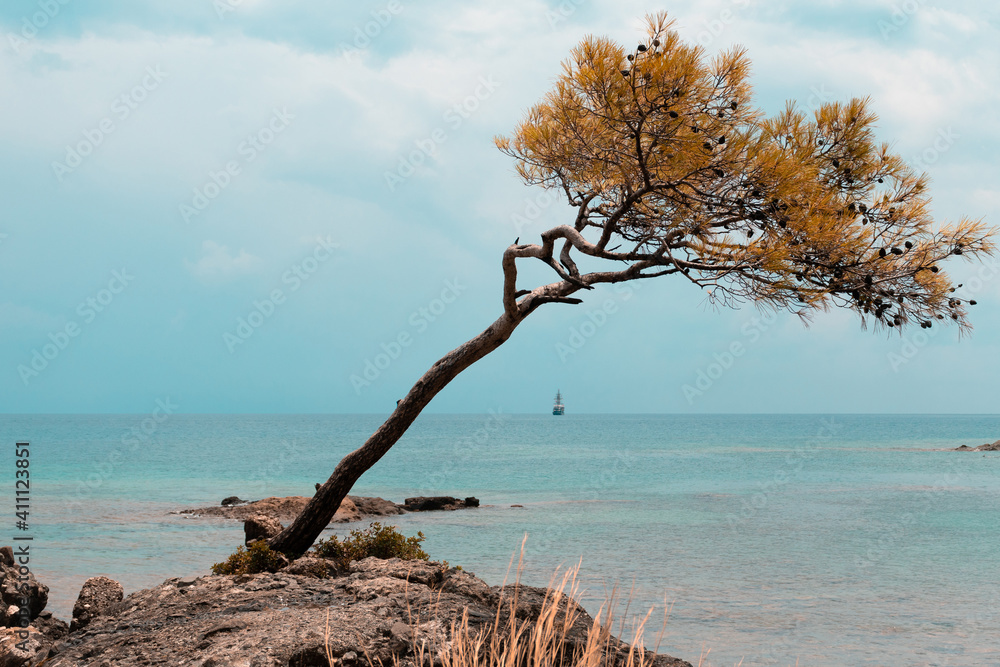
(218,263)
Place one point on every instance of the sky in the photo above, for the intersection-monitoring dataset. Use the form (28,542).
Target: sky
(252,206)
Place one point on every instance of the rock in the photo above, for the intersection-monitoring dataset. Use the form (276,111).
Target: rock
(50,626)
(260,527)
(18,646)
(988,447)
(317,568)
(285,509)
(378,612)
(353,508)
(422,504)
(375,506)
(98,597)
(12,590)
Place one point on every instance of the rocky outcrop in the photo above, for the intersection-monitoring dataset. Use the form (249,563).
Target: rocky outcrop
(382,610)
(98,597)
(354,508)
(260,527)
(25,638)
(988,447)
(422,504)
(13,588)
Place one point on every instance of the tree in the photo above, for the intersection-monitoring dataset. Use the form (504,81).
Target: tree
(672,170)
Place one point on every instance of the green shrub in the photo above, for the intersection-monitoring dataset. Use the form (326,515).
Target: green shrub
(376,540)
(258,557)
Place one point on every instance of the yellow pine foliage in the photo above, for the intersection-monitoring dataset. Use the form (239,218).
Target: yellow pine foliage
(667,158)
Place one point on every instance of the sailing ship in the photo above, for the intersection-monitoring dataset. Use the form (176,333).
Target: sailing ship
(558,408)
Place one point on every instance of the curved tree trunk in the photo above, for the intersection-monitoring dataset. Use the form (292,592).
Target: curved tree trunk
(300,535)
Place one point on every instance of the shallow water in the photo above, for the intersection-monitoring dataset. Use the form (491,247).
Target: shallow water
(824,539)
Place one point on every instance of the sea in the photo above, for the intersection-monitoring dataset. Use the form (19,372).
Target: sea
(751,539)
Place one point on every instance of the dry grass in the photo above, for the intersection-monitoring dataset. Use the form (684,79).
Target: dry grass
(512,642)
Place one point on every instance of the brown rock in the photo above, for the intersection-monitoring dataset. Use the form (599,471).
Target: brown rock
(429,504)
(12,590)
(988,447)
(260,527)
(317,568)
(98,597)
(353,508)
(16,649)
(50,626)
(268,620)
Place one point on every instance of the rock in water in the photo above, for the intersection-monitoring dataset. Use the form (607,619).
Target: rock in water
(98,597)
(428,504)
(260,527)
(353,508)
(232,500)
(988,447)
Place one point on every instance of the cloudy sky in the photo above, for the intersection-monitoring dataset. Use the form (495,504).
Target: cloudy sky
(256,206)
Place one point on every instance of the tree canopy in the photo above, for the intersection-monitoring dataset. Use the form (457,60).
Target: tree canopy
(668,161)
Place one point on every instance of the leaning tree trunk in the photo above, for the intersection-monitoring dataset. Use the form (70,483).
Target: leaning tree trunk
(303,531)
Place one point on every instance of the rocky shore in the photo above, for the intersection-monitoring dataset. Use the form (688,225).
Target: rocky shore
(353,508)
(310,614)
(988,447)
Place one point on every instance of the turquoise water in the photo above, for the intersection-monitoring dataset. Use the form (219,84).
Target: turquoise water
(826,540)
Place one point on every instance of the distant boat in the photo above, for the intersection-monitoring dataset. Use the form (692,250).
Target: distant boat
(558,408)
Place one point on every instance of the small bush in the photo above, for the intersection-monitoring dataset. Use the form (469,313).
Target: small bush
(258,557)
(376,540)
